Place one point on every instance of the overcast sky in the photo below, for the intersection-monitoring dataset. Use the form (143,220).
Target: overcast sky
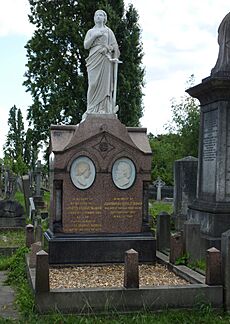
(179,39)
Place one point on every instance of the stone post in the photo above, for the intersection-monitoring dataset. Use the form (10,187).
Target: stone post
(131,271)
(35,248)
(38,233)
(185,184)
(213,267)
(163,231)
(225,259)
(29,235)
(42,273)
(176,247)
(192,240)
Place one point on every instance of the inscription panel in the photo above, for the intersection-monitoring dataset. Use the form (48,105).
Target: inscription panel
(86,215)
(210,132)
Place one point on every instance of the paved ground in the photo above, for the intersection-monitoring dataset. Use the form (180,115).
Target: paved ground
(7,308)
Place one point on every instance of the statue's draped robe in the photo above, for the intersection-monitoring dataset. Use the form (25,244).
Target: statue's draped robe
(223,60)
(100,72)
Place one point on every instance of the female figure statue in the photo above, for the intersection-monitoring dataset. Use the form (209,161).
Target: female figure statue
(103,56)
(223,60)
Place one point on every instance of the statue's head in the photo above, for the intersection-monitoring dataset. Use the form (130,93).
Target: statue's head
(100,12)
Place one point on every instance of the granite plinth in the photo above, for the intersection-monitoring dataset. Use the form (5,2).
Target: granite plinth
(10,208)
(11,214)
(214,219)
(103,248)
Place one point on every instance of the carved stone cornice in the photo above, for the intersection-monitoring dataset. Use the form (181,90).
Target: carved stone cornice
(212,89)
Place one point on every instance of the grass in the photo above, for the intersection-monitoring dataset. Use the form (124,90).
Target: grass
(47,198)
(19,197)
(5,262)
(156,207)
(12,238)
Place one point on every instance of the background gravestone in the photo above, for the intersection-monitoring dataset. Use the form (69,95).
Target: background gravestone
(11,212)
(38,198)
(159,185)
(99,172)
(185,183)
(26,191)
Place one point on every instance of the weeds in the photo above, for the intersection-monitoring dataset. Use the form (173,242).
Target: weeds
(12,238)
(194,265)
(183,260)
(5,262)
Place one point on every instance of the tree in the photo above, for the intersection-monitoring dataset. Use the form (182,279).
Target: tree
(131,71)
(185,122)
(181,139)
(13,148)
(31,148)
(21,148)
(166,149)
(56,73)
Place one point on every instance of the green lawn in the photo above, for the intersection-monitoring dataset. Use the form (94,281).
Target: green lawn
(12,238)
(157,207)
(19,197)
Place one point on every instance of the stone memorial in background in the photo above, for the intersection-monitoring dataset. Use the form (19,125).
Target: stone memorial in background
(100,170)
(38,198)
(212,205)
(12,214)
(27,192)
(185,183)
(159,183)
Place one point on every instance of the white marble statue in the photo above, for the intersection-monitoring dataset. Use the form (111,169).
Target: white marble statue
(101,66)
(223,60)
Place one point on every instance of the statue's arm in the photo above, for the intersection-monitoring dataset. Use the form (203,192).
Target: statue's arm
(114,45)
(90,38)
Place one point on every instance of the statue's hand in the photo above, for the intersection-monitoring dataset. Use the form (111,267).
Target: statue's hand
(103,50)
(98,33)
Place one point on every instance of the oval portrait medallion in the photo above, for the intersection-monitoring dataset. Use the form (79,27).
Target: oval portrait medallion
(123,173)
(82,172)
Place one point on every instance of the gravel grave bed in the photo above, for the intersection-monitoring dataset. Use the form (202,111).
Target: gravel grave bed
(110,276)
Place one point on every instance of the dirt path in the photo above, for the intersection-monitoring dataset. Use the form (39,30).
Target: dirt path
(7,295)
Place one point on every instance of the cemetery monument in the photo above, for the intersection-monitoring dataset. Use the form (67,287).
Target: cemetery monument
(100,171)
(12,213)
(211,208)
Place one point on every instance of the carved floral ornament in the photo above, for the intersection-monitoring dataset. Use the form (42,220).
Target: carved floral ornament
(83,173)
